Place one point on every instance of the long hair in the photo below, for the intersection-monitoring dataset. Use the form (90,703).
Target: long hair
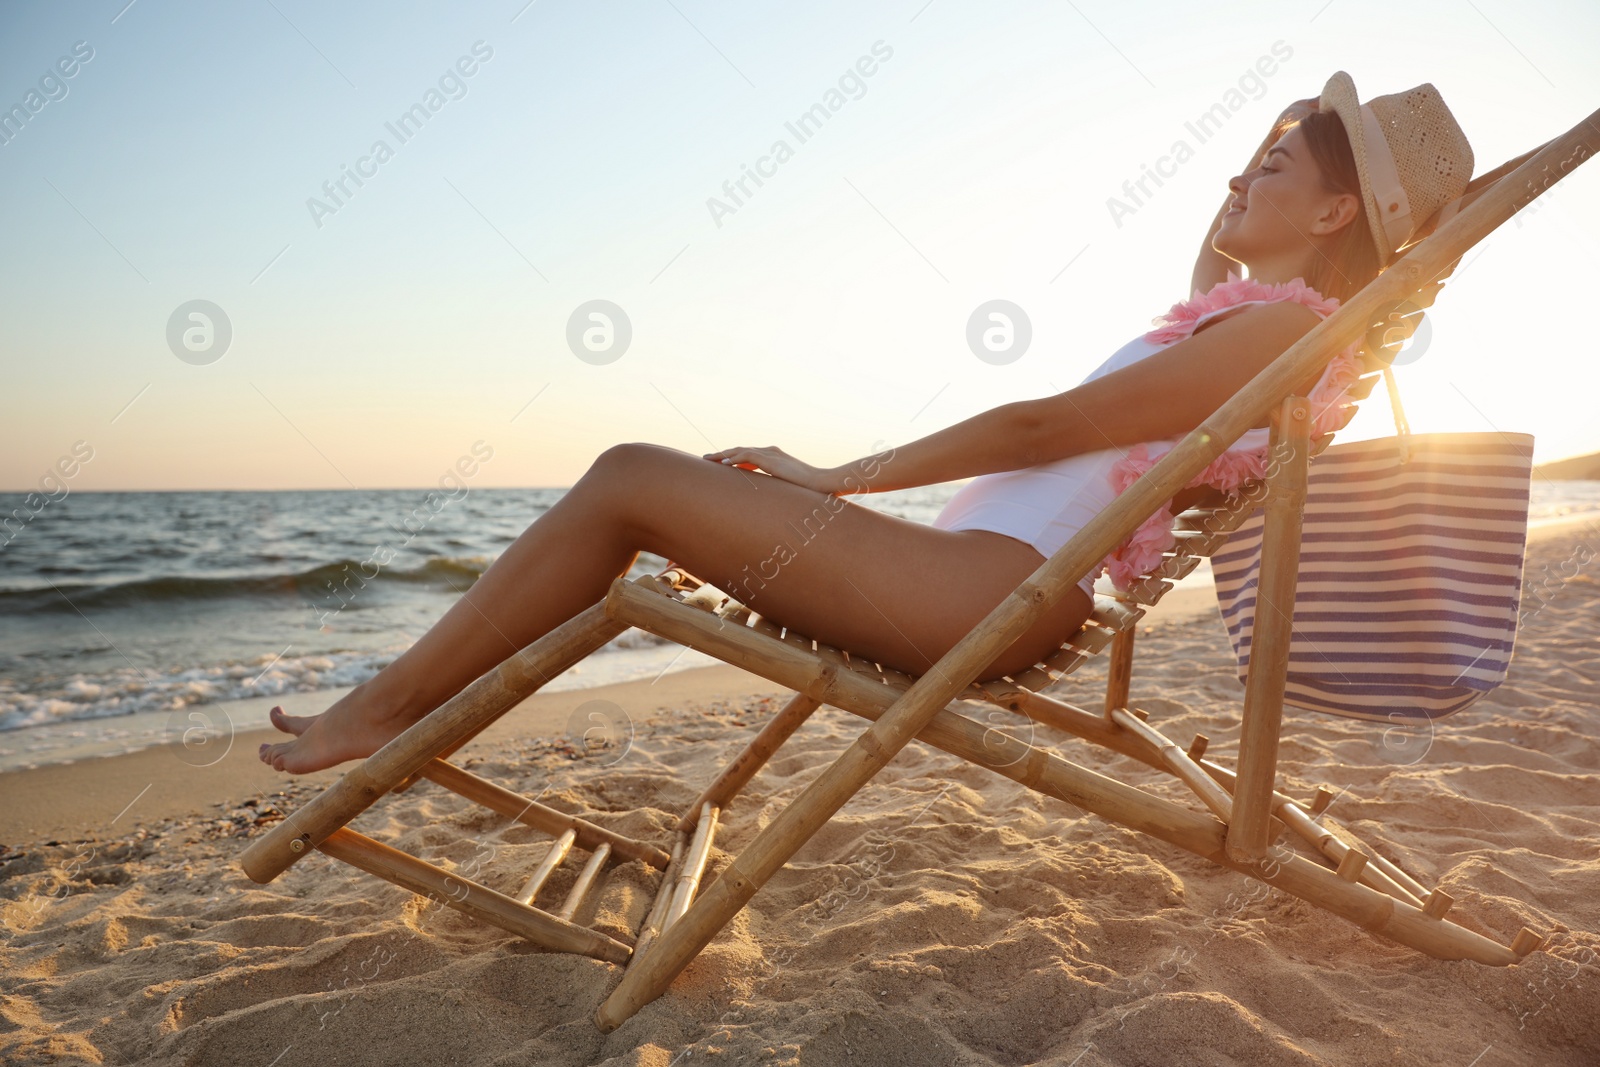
(1353,260)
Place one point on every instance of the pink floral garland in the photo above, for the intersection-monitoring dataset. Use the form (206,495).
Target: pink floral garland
(1141,551)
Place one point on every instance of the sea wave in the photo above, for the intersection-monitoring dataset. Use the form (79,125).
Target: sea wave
(323,582)
(128,690)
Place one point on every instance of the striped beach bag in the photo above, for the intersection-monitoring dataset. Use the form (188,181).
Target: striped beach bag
(1410,575)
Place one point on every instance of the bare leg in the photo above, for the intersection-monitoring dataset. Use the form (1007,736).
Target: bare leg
(899,591)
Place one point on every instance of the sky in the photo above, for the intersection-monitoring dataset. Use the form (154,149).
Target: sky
(538,157)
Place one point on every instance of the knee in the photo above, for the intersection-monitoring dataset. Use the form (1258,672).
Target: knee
(622,479)
(622,463)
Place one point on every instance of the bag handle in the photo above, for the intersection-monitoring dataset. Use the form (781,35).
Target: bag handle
(1384,341)
(1402,428)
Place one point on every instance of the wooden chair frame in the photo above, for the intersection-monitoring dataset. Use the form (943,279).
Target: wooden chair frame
(1240,812)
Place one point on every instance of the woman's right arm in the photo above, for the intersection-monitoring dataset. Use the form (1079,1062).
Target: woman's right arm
(1211,266)
(1166,394)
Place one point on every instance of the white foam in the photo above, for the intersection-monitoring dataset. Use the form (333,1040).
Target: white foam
(129,690)
(64,740)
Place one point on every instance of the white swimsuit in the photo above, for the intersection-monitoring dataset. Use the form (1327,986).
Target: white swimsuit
(1045,505)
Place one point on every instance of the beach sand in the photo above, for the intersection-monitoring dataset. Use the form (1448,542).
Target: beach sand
(945,916)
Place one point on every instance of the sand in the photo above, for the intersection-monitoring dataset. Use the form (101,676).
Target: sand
(945,916)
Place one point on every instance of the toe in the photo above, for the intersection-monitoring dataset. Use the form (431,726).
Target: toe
(274,755)
(290,724)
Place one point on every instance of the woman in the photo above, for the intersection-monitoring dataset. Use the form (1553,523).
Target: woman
(1307,217)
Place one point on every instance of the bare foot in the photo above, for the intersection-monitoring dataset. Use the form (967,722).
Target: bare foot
(291,724)
(355,727)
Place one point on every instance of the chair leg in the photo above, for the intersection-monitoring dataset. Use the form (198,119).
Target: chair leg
(1248,830)
(716,906)
(737,774)
(657,918)
(682,880)
(470,897)
(1120,670)
(687,883)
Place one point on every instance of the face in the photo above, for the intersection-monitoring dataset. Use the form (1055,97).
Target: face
(1280,212)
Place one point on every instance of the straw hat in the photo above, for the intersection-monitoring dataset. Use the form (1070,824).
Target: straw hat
(1412,157)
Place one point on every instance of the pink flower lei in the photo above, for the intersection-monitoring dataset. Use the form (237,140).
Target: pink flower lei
(1142,550)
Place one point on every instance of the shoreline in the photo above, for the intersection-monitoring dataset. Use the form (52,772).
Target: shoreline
(116,793)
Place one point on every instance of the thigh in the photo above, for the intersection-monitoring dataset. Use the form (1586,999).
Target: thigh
(898,591)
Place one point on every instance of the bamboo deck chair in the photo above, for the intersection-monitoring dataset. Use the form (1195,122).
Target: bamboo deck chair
(1238,815)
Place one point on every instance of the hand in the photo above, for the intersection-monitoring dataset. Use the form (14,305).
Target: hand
(1295,112)
(1298,110)
(776,462)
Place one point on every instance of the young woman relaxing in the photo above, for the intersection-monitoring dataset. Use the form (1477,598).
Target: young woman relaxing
(1334,191)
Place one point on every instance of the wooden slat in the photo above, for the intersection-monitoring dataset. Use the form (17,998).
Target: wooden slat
(1078,722)
(735,613)
(1205,518)
(1032,679)
(1385,874)
(862,665)
(552,859)
(706,598)
(832,656)
(465,895)
(1178,762)
(1113,614)
(1092,639)
(1437,904)
(1199,542)
(1304,824)
(1146,591)
(1224,518)
(694,865)
(1361,388)
(1175,567)
(586,877)
(1399,876)
(737,774)
(1064,660)
(663,900)
(539,816)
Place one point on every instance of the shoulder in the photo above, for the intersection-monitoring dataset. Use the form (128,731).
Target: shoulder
(1250,337)
(1272,318)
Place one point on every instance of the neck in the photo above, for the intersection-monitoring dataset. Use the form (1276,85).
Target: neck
(1277,271)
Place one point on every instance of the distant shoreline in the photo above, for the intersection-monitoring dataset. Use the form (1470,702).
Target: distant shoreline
(1575,469)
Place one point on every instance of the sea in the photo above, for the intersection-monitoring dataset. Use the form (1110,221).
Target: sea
(129,619)
(134,619)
